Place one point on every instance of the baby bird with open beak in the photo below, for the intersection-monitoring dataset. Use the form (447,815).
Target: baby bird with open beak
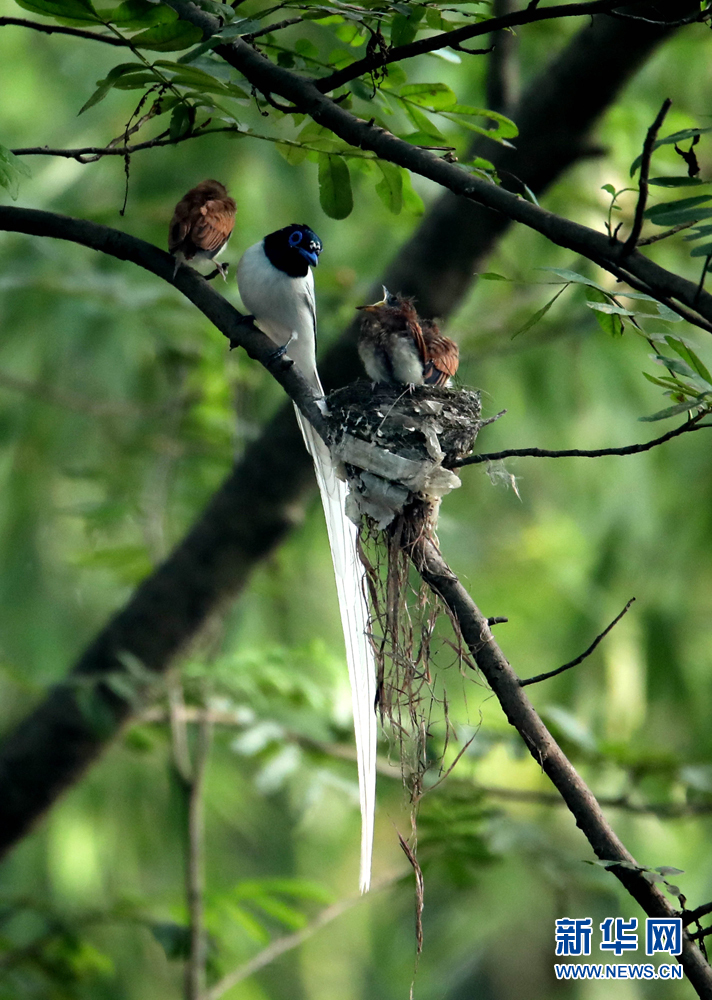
(396,346)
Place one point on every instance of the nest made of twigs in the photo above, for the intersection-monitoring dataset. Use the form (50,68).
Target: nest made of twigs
(400,443)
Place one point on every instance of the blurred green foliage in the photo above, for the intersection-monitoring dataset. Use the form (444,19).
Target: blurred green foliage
(120,413)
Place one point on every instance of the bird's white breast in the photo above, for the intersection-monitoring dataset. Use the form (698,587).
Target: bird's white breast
(282,306)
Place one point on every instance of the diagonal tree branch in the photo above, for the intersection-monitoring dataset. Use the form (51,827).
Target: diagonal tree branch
(59,29)
(217,309)
(541,745)
(453,39)
(695,305)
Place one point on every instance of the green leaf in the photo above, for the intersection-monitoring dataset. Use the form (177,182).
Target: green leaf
(136,81)
(134,14)
(105,85)
(609,308)
(610,323)
(533,320)
(404,27)
(687,133)
(664,870)
(667,314)
(492,276)
(705,250)
(673,213)
(11,170)
(390,188)
(578,279)
(664,383)
(673,182)
(294,155)
(335,186)
(610,189)
(168,37)
(182,118)
(430,95)
(679,367)
(173,938)
(422,123)
(76,12)
(698,231)
(420,139)
(412,202)
(683,203)
(689,356)
(506,129)
(673,411)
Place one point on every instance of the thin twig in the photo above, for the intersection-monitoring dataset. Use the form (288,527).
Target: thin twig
(419,889)
(690,916)
(544,749)
(700,16)
(579,659)
(656,237)
(291,941)
(273,27)
(450,39)
(195,868)
(57,29)
(631,243)
(631,449)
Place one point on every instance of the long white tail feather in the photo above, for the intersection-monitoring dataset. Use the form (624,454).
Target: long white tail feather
(285,309)
(351,590)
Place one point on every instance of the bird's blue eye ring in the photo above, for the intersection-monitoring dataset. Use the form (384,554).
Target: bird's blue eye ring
(295,238)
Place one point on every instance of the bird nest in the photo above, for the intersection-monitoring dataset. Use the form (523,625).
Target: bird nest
(399,447)
(399,444)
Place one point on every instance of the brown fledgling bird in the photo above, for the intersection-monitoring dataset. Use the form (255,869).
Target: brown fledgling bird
(201,225)
(395,345)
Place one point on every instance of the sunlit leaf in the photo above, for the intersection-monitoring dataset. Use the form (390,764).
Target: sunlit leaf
(596,297)
(610,308)
(390,187)
(430,95)
(12,169)
(134,14)
(168,37)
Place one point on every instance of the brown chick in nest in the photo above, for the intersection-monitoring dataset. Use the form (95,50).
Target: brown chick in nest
(396,346)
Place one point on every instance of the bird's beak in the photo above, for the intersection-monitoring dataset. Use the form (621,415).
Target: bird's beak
(377,305)
(308,255)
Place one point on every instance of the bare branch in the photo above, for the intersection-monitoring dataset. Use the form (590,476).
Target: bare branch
(546,752)
(195,875)
(58,29)
(652,134)
(631,449)
(579,659)
(273,27)
(291,941)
